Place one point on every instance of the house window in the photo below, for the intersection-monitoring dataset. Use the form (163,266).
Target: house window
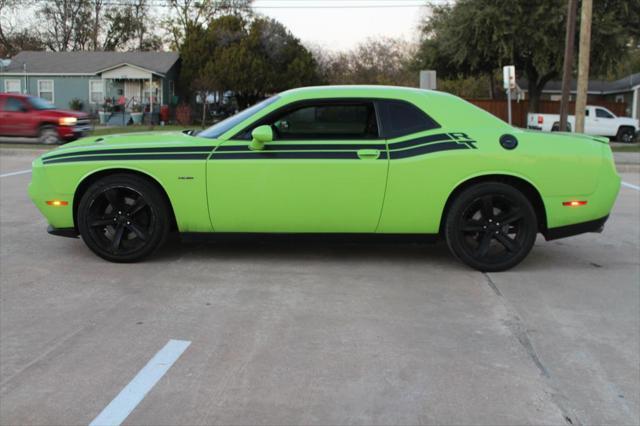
(96,91)
(145,92)
(12,86)
(45,90)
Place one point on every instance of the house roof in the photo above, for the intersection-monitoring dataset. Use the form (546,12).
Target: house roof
(599,87)
(89,62)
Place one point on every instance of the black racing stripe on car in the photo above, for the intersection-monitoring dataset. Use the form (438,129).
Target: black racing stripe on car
(129,157)
(132,151)
(303,147)
(258,155)
(338,147)
(426,149)
(420,141)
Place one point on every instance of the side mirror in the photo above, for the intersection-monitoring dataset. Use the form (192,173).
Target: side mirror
(260,135)
(24,109)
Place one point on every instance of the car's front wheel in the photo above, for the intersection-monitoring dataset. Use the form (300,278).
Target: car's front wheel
(48,135)
(491,226)
(123,218)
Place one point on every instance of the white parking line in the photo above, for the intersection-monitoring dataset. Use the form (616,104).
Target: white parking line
(630,185)
(21,172)
(129,397)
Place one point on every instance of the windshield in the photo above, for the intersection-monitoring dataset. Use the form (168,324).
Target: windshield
(225,125)
(39,103)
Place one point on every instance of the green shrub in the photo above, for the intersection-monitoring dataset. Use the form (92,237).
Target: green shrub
(76,104)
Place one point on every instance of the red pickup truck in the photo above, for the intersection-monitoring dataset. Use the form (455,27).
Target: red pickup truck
(30,117)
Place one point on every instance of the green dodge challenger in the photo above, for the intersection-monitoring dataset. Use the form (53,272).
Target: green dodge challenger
(350,160)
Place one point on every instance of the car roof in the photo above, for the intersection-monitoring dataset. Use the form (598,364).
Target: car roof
(360,91)
(16,95)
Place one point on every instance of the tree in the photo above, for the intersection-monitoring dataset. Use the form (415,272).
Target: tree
(376,61)
(14,38)
(474,37)
(252,59)
(66,24)
(97,25)
(191,14)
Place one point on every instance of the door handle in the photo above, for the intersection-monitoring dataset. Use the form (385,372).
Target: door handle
(368,154)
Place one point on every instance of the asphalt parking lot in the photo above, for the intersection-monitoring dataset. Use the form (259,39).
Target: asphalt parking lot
(319,333)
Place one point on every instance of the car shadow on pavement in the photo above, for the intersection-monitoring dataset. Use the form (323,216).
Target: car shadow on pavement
(266,248)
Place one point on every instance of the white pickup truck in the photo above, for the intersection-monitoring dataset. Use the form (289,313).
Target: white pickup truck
(598,121)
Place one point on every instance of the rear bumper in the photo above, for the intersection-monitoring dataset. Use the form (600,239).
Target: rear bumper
(576,229)
(63,232)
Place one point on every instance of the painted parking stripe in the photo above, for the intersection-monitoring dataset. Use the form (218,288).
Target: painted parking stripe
(129,397)
(21,172)
(630,185)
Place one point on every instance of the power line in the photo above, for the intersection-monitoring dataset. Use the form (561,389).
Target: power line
(296,6)
(379,6)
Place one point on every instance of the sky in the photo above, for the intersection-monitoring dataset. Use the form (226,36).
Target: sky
(342,24)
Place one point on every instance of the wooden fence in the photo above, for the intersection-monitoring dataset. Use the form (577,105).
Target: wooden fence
(519,109)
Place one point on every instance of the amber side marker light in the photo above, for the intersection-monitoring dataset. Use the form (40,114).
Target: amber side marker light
(57,203)
(574,203)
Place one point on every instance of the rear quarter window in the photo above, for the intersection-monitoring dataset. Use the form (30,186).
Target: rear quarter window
(400,118)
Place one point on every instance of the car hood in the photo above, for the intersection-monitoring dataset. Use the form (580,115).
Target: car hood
(65,113)
(142,139)
(133,140)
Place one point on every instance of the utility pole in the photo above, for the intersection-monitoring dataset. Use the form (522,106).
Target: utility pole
(583,63)
(568,62)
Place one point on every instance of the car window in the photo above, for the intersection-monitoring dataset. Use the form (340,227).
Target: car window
(601,113)
(586,112)
(39,103)
(13,105)
(402,118)
(227,124)
(328,121)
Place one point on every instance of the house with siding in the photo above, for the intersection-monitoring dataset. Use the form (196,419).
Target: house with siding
(126,78)
(624,91)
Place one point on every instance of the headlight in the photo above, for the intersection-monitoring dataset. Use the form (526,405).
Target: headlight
(68,121)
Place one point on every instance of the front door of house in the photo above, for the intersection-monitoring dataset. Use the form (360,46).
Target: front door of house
(133,90)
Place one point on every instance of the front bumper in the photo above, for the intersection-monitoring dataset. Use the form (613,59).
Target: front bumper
(74,132)
(63,232)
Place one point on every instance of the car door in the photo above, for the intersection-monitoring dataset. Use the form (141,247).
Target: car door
(4,122)
(14,117)
(605,122)
(325,171)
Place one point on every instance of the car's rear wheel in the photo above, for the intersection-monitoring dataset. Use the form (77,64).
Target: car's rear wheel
(123,218)
(625,134)
(48,135)
(491,226)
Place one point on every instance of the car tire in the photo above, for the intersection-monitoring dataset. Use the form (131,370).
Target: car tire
(625,134)
(48,135)
(556,127)
(491,227)
(123,218)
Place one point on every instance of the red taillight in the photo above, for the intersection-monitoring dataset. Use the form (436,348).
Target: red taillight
(57,203)
(574,203)
(540,119)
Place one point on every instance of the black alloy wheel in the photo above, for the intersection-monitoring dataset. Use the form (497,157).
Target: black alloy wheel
(123,218)
(491,227)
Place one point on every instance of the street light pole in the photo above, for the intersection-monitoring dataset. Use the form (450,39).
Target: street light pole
(568,62)
(583,63)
